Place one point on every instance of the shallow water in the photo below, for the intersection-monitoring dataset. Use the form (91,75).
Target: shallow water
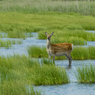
(72,88)
(21,48)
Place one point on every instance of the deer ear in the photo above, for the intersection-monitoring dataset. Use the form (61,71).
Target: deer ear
(52,33)
(46,33)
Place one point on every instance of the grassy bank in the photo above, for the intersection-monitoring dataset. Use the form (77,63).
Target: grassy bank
(86,7)
(86,74)
(78,53)
(18,72)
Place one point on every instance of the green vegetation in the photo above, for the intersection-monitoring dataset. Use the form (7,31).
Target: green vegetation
(37,52)
(18,72)
(8,43)
(14,75)
(16,88)
(49,75)
(83,53)
(65,26)
(86,74)
(86,7)
(78,53)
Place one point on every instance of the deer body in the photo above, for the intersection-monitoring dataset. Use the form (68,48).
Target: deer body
(59,49)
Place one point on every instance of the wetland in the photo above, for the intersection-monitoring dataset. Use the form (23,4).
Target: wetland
(24,65)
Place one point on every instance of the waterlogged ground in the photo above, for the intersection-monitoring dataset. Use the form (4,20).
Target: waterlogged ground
(72,88)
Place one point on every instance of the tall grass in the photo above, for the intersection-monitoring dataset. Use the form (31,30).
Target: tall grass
(78,53)
(86,74)
(65,6)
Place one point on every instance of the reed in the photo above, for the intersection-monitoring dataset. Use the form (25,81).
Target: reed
(65,6)
(86,74)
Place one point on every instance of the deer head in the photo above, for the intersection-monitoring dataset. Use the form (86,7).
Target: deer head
(49,35)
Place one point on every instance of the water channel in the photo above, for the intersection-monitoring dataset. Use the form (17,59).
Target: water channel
(72,88)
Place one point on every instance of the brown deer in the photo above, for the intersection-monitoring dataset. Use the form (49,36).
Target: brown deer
(58,49)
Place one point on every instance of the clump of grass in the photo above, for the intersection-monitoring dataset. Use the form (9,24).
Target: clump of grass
(8,43)
(49,75)
(46,61)
(37,52)
(86,74)
(83,53)
(16,34)
(19,41)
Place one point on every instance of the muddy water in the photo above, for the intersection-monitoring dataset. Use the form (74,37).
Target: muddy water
(72,88)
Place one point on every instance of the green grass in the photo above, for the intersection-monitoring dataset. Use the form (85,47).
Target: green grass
(83,53)
(8,43)
(64,6)
(22,22)
(86,74)
(17,73)
(37,52)
(14,74)
(16,88)
(16,24)
(78,53)
(49,75)
(72,34)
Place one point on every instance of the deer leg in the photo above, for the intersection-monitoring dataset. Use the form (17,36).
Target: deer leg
(53,59)
(49,57)
(69,58)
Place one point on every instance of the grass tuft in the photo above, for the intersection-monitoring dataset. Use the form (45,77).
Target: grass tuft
(86,74)
(49,75)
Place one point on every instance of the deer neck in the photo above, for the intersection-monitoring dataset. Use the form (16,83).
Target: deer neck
(48,43)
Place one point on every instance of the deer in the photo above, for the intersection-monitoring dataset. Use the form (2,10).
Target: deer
(59,49)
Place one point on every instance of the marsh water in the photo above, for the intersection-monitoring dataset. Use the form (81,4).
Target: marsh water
(72,88)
